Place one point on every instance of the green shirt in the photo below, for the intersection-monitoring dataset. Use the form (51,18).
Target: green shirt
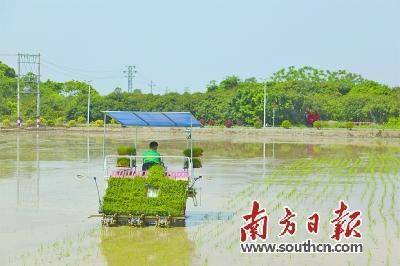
(154,156)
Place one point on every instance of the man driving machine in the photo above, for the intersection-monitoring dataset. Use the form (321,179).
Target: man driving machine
(151,157)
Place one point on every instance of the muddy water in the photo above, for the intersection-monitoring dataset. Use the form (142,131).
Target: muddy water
(44,205)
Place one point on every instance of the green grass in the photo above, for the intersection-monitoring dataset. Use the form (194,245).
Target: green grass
(129,196)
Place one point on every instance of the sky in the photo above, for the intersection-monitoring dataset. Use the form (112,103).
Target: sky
(183,45)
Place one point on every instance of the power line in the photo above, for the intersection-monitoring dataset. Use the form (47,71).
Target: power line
(77,73)
(8,55)
(69,73)
(77,69)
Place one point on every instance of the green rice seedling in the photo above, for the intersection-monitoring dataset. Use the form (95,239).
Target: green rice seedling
(125,161)
(122,150)
(369,208)
(382,201)
(131,150)
(364,193)
(126,150)
(395,167)
(197,163)
(156,171)
(197,152)
(129,196)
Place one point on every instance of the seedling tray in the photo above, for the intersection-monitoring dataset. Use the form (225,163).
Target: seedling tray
(141,220)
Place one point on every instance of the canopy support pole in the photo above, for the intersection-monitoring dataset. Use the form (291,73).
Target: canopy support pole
(88,153)
(104,133)
(136,128)
(191,146)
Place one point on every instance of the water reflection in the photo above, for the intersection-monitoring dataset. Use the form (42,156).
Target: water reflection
(88,153)
(198,217)
(146,246)
(265,147)
(28,183)
(60,147)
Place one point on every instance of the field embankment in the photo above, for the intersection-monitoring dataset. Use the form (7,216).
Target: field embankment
(239,134)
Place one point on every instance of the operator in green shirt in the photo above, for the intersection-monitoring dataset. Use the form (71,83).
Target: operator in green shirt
(151,156)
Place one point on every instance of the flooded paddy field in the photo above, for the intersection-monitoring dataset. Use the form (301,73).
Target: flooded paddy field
(44,205)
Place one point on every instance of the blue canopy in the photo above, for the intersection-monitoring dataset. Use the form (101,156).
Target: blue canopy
(154,119)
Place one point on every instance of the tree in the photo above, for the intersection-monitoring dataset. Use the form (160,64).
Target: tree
(7,71)
(117,90)
(337,95)
(212,86)
(229,83)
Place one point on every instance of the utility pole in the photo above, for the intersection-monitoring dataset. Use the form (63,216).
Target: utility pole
(18,90)
(130,74)
(38,95)
(273,117)
(88,106)
(151,85)
(265,103)
(29,67)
